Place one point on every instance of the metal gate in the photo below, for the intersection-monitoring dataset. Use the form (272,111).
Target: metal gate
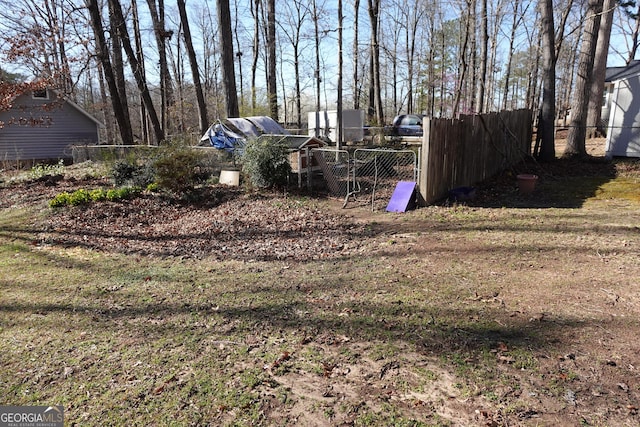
(335,167)
(367,176)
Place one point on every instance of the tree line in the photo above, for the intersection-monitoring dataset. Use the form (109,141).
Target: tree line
(154,69)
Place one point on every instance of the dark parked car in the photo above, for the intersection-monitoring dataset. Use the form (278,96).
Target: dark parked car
(407,125)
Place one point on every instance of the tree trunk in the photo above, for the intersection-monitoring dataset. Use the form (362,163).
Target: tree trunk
(119,25)
(195,72)
(374,12)
(576,138)
(144,122)
(546,127)
(177,64)
(255,12)
(121,116)
(484,54)
(512,39)
(228,68)
(239,56)
(463,66)
(271,59)
(594,127)
(356,54)
(108,118)
(118,68)
(339,106)
(161,35)
(317,70)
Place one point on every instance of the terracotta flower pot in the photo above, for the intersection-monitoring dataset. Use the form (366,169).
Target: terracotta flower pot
(527,183)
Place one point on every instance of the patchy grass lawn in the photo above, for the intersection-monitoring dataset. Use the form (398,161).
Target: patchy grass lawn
(512,310)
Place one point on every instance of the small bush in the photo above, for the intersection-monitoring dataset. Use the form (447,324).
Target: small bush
(179,168)
(122,193)
(266,163)
(129,173)
(79,197)
(82,196)
(153,187)
(98,195)
(123,171)
(42,170)
(60,200)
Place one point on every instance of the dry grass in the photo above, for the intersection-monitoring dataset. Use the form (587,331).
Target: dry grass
(511,311)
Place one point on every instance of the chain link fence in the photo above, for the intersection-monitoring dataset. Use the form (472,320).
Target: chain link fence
(366,177)
(376,173)
(335,168)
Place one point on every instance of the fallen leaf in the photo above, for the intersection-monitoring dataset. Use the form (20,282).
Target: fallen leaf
(506,359)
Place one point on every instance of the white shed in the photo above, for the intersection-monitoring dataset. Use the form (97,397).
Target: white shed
(622,107)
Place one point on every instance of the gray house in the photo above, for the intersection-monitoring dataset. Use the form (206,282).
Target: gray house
(621,110)
(43,125)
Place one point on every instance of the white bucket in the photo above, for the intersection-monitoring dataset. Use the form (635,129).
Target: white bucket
(229,177)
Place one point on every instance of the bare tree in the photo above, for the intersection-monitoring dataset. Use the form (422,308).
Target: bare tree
(356,55)
(271,59)
(316,30)
(118,23)
(576,138)
(157,13)
(594,127)
(546,127)
(296,14)
(634,42)
(463,58)
(195,72)
(228,69)
(339,102)
(413,17)
(484,56)
(117,63)
(122,117)
(256,6)
(137,36)
(376,111)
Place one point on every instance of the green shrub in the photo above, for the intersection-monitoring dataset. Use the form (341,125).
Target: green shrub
(179,168)
(153,187)
(79,197)
(82,196)
(60,200)
(266,162)
(122,193)
(98,195)
(123,171)
(128,172)
(113,194)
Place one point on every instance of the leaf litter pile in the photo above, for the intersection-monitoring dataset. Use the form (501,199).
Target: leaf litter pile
(228,225)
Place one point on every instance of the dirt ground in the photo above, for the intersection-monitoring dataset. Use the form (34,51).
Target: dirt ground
(559,286)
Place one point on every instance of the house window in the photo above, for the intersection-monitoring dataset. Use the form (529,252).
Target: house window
(40,94)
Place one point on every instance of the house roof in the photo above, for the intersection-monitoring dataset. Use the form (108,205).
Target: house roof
(63,98)
(79,108)
(620,73)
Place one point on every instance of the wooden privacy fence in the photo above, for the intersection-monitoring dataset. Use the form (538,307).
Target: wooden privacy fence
(462,152)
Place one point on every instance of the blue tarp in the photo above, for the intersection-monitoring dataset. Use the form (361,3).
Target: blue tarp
(232,135)
(223,138)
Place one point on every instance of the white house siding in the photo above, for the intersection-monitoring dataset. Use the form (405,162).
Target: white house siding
(623,138)
(67,125)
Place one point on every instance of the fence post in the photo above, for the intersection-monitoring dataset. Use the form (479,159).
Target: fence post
(424,161)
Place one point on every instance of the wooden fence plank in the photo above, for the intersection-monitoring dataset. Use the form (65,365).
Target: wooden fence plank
(468,150)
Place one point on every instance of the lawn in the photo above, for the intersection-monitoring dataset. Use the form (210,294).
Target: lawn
(273,309)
